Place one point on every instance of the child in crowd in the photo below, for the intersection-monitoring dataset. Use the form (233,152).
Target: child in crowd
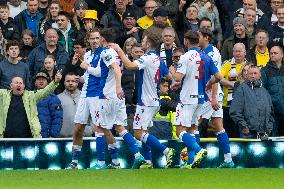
(27,44)
(49,66)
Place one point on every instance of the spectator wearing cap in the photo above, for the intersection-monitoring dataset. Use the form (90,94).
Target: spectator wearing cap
(50,111)
(147,20)
(19,113)
(160,23)
(50,18)
(91,23)
(100,6)
(29,18)
(130,27)
(239,36)
(50,46)
(187,21)
(80,8)
(66,33)
(12,66)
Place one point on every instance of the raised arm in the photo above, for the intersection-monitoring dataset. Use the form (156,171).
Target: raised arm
(126,62)
(42,93)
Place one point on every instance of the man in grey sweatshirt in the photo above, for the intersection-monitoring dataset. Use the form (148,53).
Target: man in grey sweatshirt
(13,67)
(69,100)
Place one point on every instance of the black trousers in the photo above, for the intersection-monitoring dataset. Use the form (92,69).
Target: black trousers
(278,129)
(229,125)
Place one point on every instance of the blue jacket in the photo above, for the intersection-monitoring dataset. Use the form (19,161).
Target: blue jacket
(22,22)
(50,115)
(273,80)
(38,54)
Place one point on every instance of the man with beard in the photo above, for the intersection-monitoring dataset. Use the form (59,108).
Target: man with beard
(49,47)
(69,100)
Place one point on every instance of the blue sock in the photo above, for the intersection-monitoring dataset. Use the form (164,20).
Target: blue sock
(190,155)
(153,142)
(197,137)
(100,146)
(112,148)
(76,152)
(190,142)
(223,141)
(146,152)
(130,141)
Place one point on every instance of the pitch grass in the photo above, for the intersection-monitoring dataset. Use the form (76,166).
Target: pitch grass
(140,179)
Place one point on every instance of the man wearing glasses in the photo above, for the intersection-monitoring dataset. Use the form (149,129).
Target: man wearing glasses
(147,20)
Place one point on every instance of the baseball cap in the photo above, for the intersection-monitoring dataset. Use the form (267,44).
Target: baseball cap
(128,14)
(80,4)
(160,12)
(42,74)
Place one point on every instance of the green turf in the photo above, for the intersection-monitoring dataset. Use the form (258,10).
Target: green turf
(138,179)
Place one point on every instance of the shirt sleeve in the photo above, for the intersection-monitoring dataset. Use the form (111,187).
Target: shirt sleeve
(181,67)
(109,56)
(213,68)
(141,62)
(164,70)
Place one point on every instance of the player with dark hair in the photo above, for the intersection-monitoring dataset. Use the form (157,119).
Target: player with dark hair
(151,70)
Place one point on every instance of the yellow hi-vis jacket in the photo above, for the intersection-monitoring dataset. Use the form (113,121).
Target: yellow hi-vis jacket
(170,117)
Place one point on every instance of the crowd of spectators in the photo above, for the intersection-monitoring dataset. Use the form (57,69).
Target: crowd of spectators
(40,37)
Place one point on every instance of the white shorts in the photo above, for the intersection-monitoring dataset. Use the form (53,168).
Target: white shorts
(206,111)
(144,116)
(113,112)
(187,114)
(86,107)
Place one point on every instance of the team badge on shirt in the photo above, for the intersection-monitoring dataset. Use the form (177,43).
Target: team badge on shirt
(108,57)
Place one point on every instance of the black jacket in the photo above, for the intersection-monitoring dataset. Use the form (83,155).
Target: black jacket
(276,35)
(111,19)
(9,30)
(38,54)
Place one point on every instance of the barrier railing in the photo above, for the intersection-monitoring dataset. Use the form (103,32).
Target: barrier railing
(55,153)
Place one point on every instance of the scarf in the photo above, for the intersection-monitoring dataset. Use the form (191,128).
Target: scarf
(163,52)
